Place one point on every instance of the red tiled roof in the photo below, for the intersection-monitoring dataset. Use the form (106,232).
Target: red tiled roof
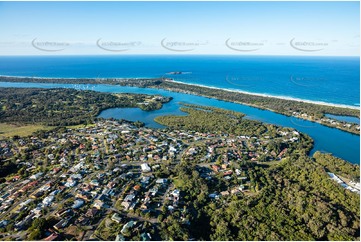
(52,237)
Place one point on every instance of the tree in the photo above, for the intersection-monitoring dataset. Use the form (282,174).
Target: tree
(35,235)
(38,223)
(222,232)
(160,218)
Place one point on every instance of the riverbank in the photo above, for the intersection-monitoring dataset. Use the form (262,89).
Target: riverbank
(304,109)
(313,111)
(64,107)
(152,81)
(342,144)
(266,95)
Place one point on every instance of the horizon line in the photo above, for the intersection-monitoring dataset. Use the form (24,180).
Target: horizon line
(118,55)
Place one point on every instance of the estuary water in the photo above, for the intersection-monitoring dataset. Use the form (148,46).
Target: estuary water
(341,144)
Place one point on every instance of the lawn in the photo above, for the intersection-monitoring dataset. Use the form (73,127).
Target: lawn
(80,126)
(178,183)
(9,130)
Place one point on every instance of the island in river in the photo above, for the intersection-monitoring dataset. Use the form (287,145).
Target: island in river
(312,111)
(210,175)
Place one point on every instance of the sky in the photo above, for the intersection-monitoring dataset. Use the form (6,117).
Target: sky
(219,28)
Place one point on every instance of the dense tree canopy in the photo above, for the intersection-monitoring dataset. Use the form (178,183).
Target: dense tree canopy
(338,166)
(64,106)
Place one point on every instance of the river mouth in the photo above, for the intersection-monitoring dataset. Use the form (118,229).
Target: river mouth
(340,143)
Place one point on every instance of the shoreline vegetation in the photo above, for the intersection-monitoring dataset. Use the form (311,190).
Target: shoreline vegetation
(227,178)
(302,109)
(63,107)
(293,107)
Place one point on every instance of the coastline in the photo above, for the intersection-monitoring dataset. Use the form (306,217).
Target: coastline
(267,95)
(197,85)
(80,78)
(305,109)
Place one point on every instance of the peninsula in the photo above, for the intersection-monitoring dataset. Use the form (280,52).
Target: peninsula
(303,109)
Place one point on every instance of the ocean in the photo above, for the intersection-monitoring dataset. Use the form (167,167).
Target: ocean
(324,79)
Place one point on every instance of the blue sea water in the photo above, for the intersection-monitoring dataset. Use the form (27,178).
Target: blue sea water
(326,79)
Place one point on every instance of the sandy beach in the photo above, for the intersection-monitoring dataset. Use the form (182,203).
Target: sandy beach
(267,95)
(203,86)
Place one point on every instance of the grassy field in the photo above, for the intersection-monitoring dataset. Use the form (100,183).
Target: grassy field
(9,130)
(80,126)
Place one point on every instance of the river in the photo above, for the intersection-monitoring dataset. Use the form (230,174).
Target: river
(340,143)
